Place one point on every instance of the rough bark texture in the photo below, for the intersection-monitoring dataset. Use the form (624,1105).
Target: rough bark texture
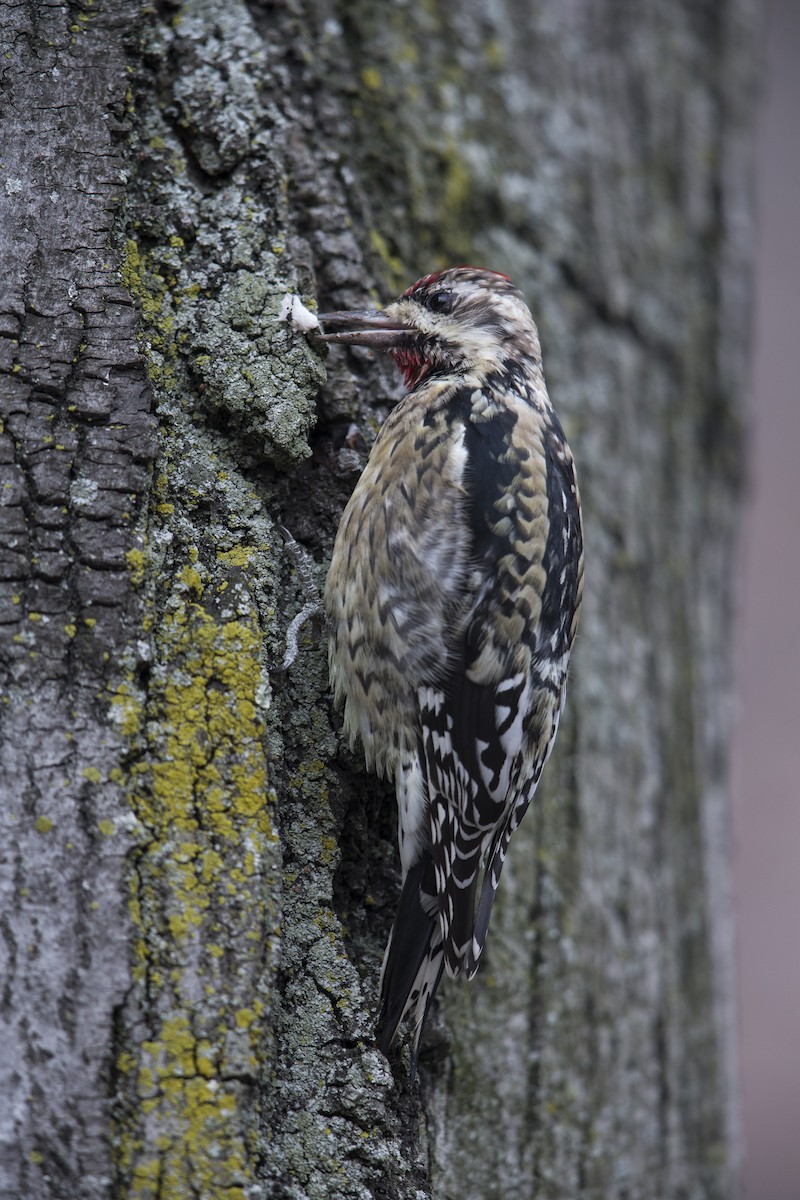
(197,877)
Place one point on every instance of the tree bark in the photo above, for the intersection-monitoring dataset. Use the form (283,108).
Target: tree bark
(198,877)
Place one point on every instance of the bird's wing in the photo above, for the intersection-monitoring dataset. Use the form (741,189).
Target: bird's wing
(487,728)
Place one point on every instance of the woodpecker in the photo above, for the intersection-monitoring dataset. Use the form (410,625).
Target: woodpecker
(452,599)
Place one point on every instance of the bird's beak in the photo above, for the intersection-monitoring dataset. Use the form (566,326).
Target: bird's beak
(366,328)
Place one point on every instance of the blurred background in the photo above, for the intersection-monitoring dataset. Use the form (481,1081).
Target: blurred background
(767,748)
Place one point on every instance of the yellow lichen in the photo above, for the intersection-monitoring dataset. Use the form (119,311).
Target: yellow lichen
(153,292)
(495,54)
(126,710)
(189,577)
(201,796)
(238,556)
(136,561)
(371,79)
(329,846)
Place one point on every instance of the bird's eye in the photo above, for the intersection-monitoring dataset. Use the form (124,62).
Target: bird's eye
(442,302)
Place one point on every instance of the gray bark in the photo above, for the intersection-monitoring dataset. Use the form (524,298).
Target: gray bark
(197,876)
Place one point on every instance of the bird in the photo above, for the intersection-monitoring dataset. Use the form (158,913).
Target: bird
(452,602)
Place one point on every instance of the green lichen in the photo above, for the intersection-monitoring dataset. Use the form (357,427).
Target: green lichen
(394,270)
(458,185)
(247,362)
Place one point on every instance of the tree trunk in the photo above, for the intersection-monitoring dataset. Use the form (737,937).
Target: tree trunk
(198,877)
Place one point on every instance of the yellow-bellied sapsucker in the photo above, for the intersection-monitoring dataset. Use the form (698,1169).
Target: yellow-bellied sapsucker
(453,597)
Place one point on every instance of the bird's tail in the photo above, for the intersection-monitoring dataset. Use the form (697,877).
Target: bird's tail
(491,879)
(414,959)
(491,876)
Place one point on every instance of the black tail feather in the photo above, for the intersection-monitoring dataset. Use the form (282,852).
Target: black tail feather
(413,962)
(491,879)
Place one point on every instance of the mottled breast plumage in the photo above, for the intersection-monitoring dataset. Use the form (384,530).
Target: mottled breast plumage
(398,564)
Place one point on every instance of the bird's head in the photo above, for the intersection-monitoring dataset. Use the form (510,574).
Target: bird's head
(458,321)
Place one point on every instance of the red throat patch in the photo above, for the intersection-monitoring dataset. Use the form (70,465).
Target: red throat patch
(412,365)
